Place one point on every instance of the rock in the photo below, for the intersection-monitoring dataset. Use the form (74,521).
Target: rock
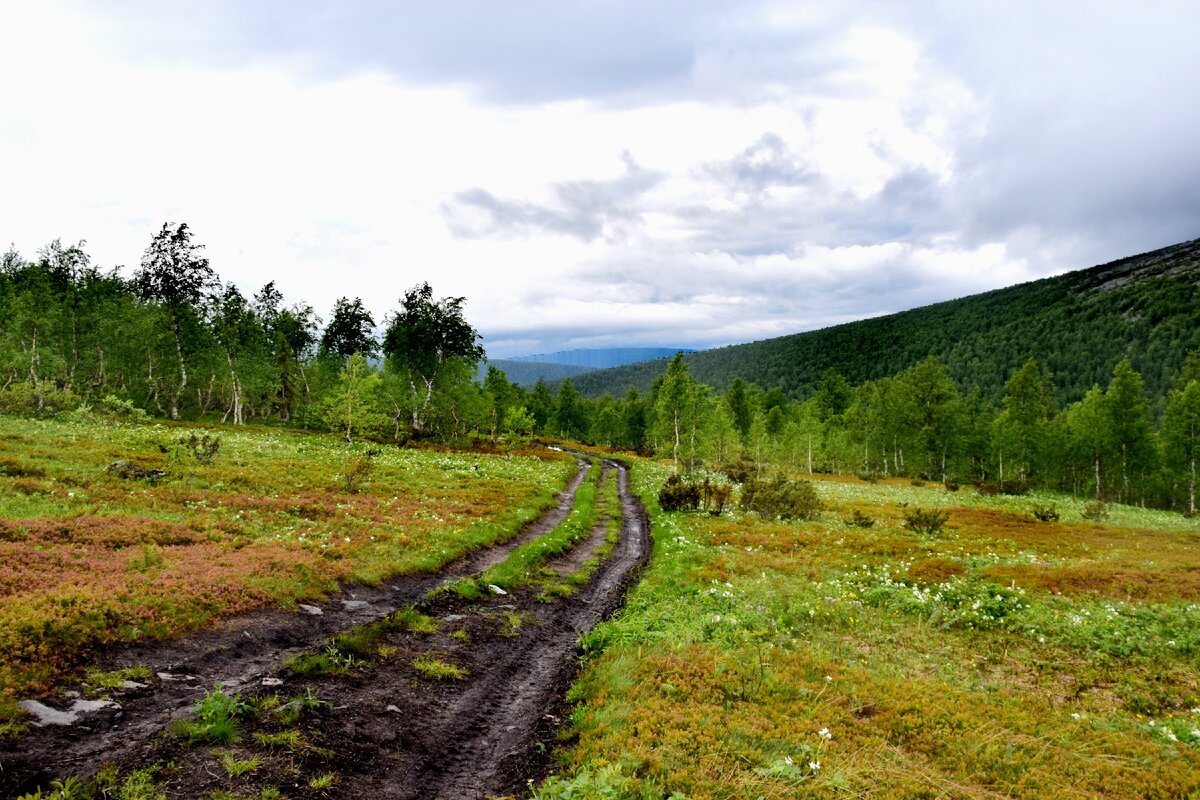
(494,589)
(313,610)
(45,715)
(168,676)
(393,709)
(354,605)
(453,617)
(131,685)
(272,681)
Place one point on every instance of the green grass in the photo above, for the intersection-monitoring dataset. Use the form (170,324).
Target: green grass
(235,767)
(522,564)
(98,682)
(438,670)
(89,559)
(214,719)
(814,659)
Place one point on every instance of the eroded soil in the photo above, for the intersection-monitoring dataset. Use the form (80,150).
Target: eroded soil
(380,727)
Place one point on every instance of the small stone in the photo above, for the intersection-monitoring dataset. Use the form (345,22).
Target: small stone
(393,709)
(453,617)
(168,676)
(354,605)
(313,610)
(272,681)
(494,589)
(131,685)
(45,715)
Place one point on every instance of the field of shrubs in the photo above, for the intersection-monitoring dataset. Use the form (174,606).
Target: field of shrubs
(895,639)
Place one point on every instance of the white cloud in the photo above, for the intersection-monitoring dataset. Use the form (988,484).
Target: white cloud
(677,179)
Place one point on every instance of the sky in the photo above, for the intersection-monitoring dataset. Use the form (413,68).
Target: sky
(594,174)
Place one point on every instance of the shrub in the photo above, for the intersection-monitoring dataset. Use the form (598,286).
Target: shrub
(927,521)
(1045,512)
(740,471)
(1095,512)
(19,469)
(357,471)
(952,486)
(678,495)
(869,477)
(39,399)
(857,519)
(781,497)
(917,482)
(202,448)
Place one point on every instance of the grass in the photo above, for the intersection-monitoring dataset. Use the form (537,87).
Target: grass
(1005,656)
(88,559)
(522,564)
(97,682)
(235,767)
(438,670)
(214,719)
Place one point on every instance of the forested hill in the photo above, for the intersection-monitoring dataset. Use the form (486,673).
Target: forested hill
(603,358)
(1078,325)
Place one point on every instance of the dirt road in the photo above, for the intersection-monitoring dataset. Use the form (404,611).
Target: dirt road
(378,726)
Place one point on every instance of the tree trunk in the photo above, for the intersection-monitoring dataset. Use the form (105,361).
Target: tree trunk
(1097,478)
(810,454)
(1192,489)
(183,376)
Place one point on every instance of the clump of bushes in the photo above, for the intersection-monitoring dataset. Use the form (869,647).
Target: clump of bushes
(952,486)
(1095,512)
(677,494)
(1045,512)
(740,471)
(202,448)
(926,521)
(857,519)
(781,497)
(41,399)
(869,477)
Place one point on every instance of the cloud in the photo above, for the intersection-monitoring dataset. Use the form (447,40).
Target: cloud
(585,209)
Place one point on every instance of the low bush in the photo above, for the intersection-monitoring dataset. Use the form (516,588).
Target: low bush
(1045,512)
(926,521)
(678,495)
(1095,512)
(781,497)
(857,519)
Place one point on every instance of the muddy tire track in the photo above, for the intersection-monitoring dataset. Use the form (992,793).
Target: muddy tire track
(238,654)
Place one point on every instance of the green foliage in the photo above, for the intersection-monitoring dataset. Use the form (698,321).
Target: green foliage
(1045,512)
(926,521)
(1077,325)
(215,719)
(781,497)
(438,670)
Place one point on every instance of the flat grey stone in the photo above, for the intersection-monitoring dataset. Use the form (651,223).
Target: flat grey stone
(131,685)
(168,676)
(393,709)
(272,681)
(453,617)
(45,715)
(494,589)
(307,609)
(354,605)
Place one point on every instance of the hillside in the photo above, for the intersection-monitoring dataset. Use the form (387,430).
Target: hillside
(526,373)
(603,358)
(1078,325)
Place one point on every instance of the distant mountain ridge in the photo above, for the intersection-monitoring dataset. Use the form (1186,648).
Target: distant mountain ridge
(604,357)
(552,367)
(1078,325)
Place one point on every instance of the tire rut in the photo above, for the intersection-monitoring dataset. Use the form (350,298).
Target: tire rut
(237,654)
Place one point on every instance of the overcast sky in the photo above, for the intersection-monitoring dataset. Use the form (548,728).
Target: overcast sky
(607,173)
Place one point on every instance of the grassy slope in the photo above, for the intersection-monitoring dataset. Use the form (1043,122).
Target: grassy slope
(1006,657)
(89,558)
(1078,325)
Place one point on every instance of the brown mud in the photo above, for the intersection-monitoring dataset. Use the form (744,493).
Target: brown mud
(381,728)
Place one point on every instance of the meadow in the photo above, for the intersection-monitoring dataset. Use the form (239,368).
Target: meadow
(90,558)
(852,656)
